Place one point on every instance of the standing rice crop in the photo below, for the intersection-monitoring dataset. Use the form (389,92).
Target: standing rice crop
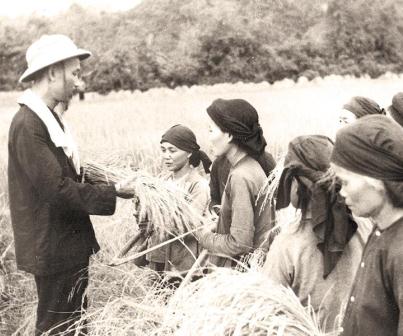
(123,301)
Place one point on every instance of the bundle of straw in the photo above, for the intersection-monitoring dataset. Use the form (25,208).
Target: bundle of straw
(269,191)
(96,173)
(227,302)
(162,203)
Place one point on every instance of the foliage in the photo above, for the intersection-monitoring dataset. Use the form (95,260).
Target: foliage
(174,43)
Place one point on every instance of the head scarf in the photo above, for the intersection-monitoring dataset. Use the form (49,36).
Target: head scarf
(240,119)
(361,106)
(309,157)
(371,146)
(396,109)
(183,138)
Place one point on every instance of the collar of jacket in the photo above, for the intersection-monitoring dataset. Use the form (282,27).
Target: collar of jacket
(235,157)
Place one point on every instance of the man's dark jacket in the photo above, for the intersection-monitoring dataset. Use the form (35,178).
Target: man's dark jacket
(49,207)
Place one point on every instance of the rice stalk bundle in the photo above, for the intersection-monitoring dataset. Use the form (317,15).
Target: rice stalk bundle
(284,218)
(96,173)
(269,190)
(227,302)
(157,201)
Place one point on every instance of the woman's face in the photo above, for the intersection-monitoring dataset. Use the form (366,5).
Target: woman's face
(346,117)
(294,193)
(173,158)
(220,140)
(365,196)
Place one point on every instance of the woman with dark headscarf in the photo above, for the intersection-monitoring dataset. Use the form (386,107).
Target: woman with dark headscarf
(395,111)
(243,225)
(359,107)
(368,158)
(317,257)
(182,156)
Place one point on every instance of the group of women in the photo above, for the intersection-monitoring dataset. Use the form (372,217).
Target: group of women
(346,191)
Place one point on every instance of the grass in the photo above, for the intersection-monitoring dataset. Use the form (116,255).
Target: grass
(126,127)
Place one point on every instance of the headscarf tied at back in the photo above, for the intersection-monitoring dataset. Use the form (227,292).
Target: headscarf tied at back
(371,146)
(333,225)
(241,120)
(182,137)
(361,106)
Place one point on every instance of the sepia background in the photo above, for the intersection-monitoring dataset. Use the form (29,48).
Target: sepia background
(157,63)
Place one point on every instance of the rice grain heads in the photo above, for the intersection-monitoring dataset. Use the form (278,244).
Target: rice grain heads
(160,202)
(227,302)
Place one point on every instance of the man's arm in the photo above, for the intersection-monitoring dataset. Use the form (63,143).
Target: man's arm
(46,176)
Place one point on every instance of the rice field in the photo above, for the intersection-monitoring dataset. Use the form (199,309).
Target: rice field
(125,128)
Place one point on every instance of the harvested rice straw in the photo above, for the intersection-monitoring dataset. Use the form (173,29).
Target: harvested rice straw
(96,173)
(124,302)
(227,302)
(253,260)
(284,217)
(164,204)
(119,261)
(269,190)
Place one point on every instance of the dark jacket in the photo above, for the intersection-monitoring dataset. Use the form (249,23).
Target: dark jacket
(375,306)
(49,207)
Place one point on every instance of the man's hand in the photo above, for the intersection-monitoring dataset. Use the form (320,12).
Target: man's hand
(124,191)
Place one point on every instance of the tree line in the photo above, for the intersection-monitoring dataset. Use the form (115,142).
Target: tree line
(175,42)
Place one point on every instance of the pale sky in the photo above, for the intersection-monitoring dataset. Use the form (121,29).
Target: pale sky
(16,8)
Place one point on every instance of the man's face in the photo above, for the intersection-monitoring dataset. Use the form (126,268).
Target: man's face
(67,79)
(365,196)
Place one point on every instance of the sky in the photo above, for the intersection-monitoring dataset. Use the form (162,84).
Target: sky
(15,8)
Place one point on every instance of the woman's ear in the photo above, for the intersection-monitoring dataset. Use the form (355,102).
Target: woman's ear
(377,185)
(230,137)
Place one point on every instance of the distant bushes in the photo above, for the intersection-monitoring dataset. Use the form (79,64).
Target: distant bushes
(173,43)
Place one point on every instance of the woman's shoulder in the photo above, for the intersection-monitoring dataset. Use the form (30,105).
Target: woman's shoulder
(297,235)
(248,169)
(196,180)
(293,245)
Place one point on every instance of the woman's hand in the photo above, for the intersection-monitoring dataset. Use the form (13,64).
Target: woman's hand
(210,226)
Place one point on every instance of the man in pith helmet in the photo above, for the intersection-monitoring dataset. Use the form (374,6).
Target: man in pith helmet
(50,208)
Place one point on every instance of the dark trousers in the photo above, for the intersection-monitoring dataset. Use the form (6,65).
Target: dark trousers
(61,300)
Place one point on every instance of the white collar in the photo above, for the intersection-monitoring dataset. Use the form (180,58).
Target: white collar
(59,137)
